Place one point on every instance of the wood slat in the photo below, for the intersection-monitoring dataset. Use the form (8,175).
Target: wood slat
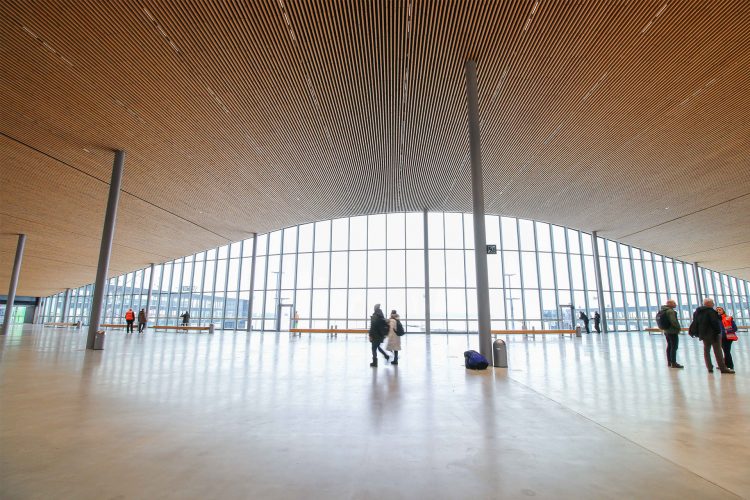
(629,118)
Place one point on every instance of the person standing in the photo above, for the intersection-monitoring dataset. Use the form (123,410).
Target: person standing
(708,324)
(728,335)
(582,316)
(185,318)
(378,330)
(141,320)
(671,331)
(597,322)
(295,323)
(129,319)
(394,341)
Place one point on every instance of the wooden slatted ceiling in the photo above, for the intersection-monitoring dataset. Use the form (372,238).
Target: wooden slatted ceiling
(631,118)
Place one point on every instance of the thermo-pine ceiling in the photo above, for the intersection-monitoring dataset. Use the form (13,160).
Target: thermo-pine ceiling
(629,118)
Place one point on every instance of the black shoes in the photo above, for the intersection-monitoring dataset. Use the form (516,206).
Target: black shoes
(728,371)
(387,357)
(395,363)
(710,370)
(677,365)
(374,364)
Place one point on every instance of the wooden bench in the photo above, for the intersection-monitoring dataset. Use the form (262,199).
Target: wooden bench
(113,325)
(330,331)
(209,329)
(535,332)
(62,324)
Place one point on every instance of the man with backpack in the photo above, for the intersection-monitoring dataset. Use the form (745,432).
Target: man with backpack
(666,320)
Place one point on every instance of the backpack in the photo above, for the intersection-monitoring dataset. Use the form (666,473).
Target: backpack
(693,330)
(662,321)
(399,328)
(475,361)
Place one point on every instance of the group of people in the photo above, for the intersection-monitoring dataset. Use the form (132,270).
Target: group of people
(597,321)
(382,329)
(130,319)
(714,327)
(143,319)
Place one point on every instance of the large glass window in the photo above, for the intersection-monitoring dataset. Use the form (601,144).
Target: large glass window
(332,272)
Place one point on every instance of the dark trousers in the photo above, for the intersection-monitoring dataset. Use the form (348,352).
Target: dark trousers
(141,327)
(726,346)
(586,324)
(713,343)
(673,341)
(597,327)
(129,327)
(375,348)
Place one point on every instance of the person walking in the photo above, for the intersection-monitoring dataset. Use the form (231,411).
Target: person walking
(708,325)
(671,327)
(728,335)
(185,318)
(141,320)
(597,322)
(582,316)
(394,341)
(129,319)
(378,330)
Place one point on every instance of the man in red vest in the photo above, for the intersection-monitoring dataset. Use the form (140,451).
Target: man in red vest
(129,318)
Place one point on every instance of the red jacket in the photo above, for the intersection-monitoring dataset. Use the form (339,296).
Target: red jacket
(129,316)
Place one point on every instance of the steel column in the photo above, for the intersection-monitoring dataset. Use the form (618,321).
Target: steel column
(426,274)
(252,283)
(13,283)
(66,303)
(477,192)
(105,249)
(599,289)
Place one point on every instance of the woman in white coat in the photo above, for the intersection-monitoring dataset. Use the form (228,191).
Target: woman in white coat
(394,341)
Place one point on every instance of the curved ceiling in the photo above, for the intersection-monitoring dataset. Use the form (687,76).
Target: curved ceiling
(630,118)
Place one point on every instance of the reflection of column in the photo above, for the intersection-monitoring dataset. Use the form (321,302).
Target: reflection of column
(105,249)
(698,283)
(150,288)
(477,193)
(509,298)
(426,275)
(599,289)
(278,296)
(13,283)
(252,283)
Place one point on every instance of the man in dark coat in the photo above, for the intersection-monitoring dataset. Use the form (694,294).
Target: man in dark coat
(708,323)
(142,320)
(597,322)
(585,320)
(378,331)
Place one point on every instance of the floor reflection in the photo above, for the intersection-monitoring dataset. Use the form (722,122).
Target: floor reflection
(182,402)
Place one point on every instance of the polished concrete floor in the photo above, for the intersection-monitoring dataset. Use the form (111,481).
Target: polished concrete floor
(230,415)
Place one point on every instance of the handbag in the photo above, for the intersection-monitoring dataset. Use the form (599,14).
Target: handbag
(732,337)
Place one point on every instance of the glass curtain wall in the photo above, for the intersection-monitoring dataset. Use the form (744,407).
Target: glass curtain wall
(332,273)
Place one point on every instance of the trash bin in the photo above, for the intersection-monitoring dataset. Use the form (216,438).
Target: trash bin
(211,328)
(500,354)
(578,331)
(99,340)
